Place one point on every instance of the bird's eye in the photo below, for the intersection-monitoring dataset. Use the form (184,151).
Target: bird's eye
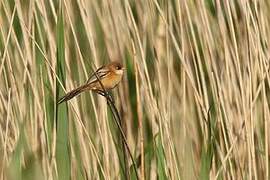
(118,67)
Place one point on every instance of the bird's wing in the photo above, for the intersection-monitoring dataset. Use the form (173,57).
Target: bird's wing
(101,73)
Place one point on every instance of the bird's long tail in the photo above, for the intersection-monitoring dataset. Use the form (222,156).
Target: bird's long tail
(74,93)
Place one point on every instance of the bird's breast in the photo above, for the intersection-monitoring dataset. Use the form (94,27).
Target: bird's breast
(109,82)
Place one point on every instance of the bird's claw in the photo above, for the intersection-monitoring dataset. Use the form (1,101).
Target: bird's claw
(107,95)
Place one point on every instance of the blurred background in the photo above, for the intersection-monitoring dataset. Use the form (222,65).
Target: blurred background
(194,99)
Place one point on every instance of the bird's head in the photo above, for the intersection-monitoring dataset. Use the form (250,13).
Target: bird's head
(117,67)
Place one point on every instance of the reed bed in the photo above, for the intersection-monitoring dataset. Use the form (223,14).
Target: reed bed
(194,98)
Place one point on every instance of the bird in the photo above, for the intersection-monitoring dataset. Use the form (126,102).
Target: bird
(105,78)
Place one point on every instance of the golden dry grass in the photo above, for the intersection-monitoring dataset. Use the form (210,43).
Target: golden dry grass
(195,96)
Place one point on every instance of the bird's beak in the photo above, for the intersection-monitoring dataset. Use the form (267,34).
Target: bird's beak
(123,68)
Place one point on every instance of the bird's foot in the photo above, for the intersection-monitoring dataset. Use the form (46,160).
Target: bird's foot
(107,95)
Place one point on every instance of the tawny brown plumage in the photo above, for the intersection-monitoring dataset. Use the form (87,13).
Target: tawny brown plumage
(109,76)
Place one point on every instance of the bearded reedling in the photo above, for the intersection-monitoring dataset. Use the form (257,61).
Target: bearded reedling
(108,75)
